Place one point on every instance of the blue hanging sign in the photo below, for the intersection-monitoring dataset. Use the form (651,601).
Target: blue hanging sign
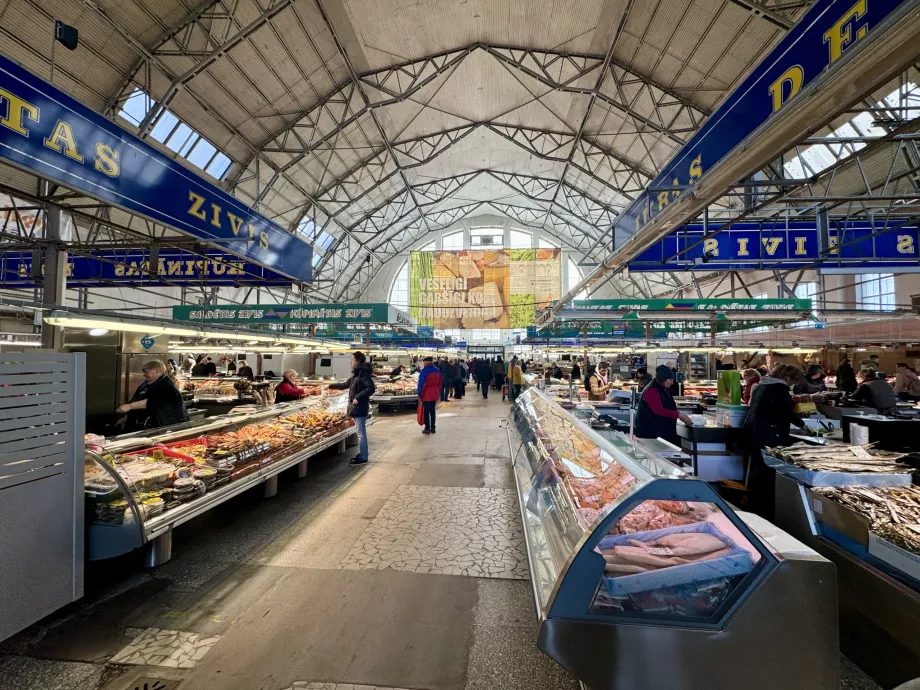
(127,268)
(752,246)
(820,38)
(147,342)
(46,132)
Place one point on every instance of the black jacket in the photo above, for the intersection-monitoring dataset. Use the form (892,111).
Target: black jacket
(877,393)
(200,369)
(360,386)
(846,378)
(484,372)
(245,373)
(165,406)
(770,414)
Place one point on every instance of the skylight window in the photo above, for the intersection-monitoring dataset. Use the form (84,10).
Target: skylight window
(820,157)
(177,136)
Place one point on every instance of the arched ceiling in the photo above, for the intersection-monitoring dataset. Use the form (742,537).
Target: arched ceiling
(380,121)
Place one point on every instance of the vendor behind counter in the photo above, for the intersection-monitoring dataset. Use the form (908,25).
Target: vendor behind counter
(156,402)
(765,425)
(657,415)
(875,392)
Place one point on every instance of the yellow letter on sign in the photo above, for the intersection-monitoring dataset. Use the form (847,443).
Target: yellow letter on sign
(62,141)
(794,76)
(15,109)
(840,36)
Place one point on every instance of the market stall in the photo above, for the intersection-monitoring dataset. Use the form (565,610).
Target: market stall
(632,561)
(396,393)
(857,507)
(141,486)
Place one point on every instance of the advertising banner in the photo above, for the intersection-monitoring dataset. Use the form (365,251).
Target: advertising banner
(492,288)
(45,131)
(374,312)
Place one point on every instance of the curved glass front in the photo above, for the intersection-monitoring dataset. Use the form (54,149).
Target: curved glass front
(163,469)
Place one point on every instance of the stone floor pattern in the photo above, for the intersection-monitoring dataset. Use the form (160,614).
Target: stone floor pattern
(444,530)
(167,648)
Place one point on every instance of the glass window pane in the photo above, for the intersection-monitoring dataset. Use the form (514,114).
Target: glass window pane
(165,124)
(219,166)
(202,153)
(521,240)
(452,241)
(137,106)
(180,137)
(546,244)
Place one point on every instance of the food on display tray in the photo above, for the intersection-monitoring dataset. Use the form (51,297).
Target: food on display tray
(399,387)
(841,458)
(165,475)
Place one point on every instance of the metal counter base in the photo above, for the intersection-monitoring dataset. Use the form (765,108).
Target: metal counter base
(879,616)
(395,402)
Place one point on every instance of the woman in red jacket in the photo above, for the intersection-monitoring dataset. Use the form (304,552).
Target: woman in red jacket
(751,377)
(429,392)
(288,390)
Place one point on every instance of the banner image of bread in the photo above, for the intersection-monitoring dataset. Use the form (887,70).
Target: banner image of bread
(491,288)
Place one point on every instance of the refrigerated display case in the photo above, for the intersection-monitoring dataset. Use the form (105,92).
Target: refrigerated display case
(140,486)
(633,563)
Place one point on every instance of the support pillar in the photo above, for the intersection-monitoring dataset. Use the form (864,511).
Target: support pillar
(271,486)
(158,550)
(54,281)
(302,468)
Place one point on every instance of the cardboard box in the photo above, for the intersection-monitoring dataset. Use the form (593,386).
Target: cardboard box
(852,524)
(905,561)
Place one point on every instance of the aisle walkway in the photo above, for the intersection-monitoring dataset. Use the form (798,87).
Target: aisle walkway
(407,573)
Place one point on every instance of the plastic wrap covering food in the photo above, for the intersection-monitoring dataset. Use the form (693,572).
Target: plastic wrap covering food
(654,515)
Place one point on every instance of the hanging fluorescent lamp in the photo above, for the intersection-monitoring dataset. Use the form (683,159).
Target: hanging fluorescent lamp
(68,320)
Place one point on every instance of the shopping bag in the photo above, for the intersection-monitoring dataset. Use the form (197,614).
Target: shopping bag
(421,414)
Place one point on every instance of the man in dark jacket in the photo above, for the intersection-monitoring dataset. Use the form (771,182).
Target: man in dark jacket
(360,387)
(498,372)
(846,377)
(875,392)
(485,377)
(201,369)
(210,367)
(766,425)
(158,400)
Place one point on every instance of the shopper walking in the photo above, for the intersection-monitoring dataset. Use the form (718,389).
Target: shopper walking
(485,377)
(444,368)
(498,373)
(360,387)
(429,390)
(464,377)
(515,378)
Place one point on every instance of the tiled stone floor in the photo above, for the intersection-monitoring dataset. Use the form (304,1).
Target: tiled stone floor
(167,648)
(444,530)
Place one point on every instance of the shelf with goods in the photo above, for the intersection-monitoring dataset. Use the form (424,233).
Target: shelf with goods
(862,512)
(140,486)
(627,554)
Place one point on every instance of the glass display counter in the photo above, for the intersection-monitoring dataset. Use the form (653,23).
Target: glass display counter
(140,486)
(633,563)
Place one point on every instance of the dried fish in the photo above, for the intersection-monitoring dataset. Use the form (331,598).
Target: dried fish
(841,458)
(893,512)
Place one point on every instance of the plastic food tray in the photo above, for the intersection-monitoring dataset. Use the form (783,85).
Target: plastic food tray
(817,478)
(736,562)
